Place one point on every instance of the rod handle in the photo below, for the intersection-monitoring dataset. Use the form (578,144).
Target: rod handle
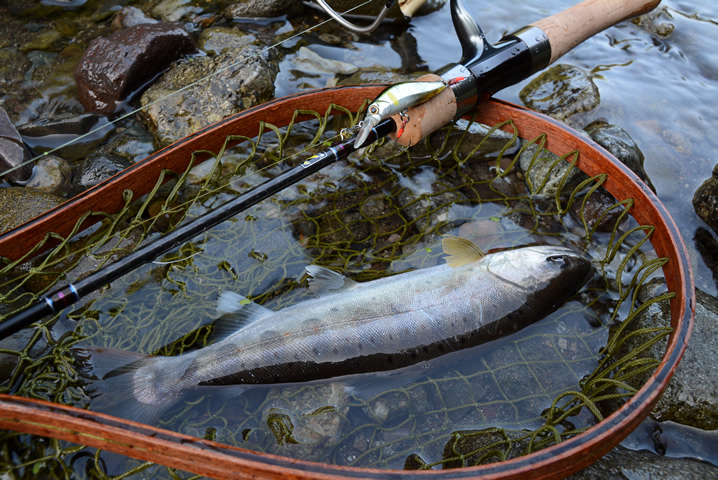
(567,29)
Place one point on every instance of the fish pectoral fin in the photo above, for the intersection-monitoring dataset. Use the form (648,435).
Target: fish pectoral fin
(323,281)
(460,251)
(236,312)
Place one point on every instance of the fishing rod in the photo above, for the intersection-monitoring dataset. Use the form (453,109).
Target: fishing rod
(482,70)
(66,296)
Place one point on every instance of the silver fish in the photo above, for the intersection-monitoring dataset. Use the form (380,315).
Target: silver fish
(396,99)
(353,327)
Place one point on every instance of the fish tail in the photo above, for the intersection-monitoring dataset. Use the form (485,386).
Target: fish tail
(126,384)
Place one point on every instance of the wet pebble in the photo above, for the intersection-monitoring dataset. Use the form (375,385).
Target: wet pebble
(98,167)
(12,151)
(18,205)
(51,175)
(705,200)
(561,91)
(113,68)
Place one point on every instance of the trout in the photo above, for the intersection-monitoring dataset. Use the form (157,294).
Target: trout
(353,328)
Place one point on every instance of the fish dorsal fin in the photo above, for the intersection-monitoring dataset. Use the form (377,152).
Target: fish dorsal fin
(236,312)
(323,281)
(460,251)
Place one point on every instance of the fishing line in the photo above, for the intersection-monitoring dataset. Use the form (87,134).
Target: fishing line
(190,85)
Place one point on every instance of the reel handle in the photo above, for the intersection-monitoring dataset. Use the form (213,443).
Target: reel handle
(571,27)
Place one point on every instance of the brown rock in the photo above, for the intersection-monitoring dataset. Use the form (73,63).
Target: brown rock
(113,68)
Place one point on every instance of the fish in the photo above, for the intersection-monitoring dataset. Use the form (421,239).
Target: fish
(353,328)
(393,100)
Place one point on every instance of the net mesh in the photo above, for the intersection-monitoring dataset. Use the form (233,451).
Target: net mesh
(380,213)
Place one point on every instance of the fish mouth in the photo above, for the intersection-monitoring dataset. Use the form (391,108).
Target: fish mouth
(366,127)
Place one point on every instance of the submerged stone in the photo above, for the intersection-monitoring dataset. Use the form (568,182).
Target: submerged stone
(545,174)
(113,68)
(620,144)
(561,91)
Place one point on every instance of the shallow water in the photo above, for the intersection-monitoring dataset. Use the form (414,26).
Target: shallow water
(660,89)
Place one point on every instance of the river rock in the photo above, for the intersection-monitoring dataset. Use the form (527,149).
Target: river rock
(597,208)
(263,8)
(246,79)
(51,175)
(705,200)
(543,169)
(303,420)
(98,167)
(214,40)
(620,144)
(115,67)
(428,209)
(691,397)
(18,205)
(129,17)
(561,91)
(12,151)
(623,464)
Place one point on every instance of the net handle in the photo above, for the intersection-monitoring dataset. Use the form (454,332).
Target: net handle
(571,27)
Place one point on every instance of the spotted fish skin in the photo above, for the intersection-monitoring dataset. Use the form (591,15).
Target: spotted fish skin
(396,99)
(375,326)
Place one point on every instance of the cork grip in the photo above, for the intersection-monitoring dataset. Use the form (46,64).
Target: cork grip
(567,29)
(428,116)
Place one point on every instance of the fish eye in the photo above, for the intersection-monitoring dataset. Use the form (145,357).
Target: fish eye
(561,261)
